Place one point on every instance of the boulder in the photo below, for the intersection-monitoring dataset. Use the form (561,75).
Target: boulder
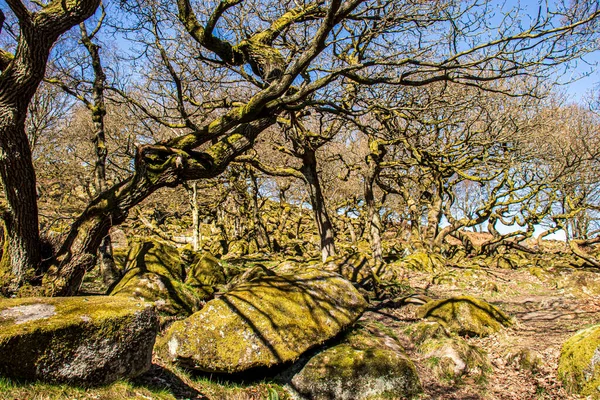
(270,320)
(85,341)
(579,363)
(465,315)
(356,267)
(205,274)
(369,363)
(452,358)
(426,330)
(154,272)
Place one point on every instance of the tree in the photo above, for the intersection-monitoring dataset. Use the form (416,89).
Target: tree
(20,78)
(279,61)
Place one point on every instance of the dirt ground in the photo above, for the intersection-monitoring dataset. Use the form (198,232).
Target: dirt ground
(548,306)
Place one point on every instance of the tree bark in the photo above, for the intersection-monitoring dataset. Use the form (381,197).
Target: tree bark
(19,81)
(324,225)
(373,218)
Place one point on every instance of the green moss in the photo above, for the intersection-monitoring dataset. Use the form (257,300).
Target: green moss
(155,272)
(579,364)
(426,330)
(267,321)
(453,358)
(366,364)
(465,315)
(43,333)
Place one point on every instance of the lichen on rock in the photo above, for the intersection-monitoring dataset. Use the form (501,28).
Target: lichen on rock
(267,321)
(154,272)
(452,358)
(465,315)
(367,364)
(79,340)
(579,363)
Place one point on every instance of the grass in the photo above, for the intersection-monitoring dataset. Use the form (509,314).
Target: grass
(12,390)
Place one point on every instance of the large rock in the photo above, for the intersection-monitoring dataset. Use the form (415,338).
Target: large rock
(453,358)
(367,364)
(205,274)
(465,315)
(79,340)
(579,364)
(154,272)
(264,322)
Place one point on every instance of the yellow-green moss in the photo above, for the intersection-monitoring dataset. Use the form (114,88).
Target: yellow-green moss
(44,334)
(208,271)
(425,330)
(155,272)
(426,262)
(579,364)
(465,315)
(453,358)
(356,267)
(267,321)
(368,363)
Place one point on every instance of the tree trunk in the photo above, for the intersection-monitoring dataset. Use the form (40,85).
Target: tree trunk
(324,225)
(19,81)
(373,218)
(434,216)
(21,256)
(193,197)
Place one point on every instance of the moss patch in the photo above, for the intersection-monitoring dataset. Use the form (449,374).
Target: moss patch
(155,273)
(267,321)
(367,364)
(465,315)
(86,340)
(453,358)
(579,364)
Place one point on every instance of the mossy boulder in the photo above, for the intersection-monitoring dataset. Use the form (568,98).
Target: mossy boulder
(369,363)
(267,321)
(579,364)
(453,358)
(205,274)
(426,330)
(154,272)
(356,267)
(525,360)
(85,341)
(465,315)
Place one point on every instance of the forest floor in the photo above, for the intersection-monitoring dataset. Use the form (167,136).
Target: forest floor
(548,305)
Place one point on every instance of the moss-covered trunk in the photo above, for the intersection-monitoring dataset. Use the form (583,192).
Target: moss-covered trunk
(155,167)
(324,225)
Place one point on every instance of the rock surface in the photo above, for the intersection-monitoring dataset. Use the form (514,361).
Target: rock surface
(579,364)
(154,272)
(367,364)
(465,315)
(452,358)
(86,341)
(205,274)
(267,321)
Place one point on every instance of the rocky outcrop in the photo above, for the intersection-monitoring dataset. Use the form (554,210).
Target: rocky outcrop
(465,315)
(78,340)
(269,320)
(579,364)
(367,364)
